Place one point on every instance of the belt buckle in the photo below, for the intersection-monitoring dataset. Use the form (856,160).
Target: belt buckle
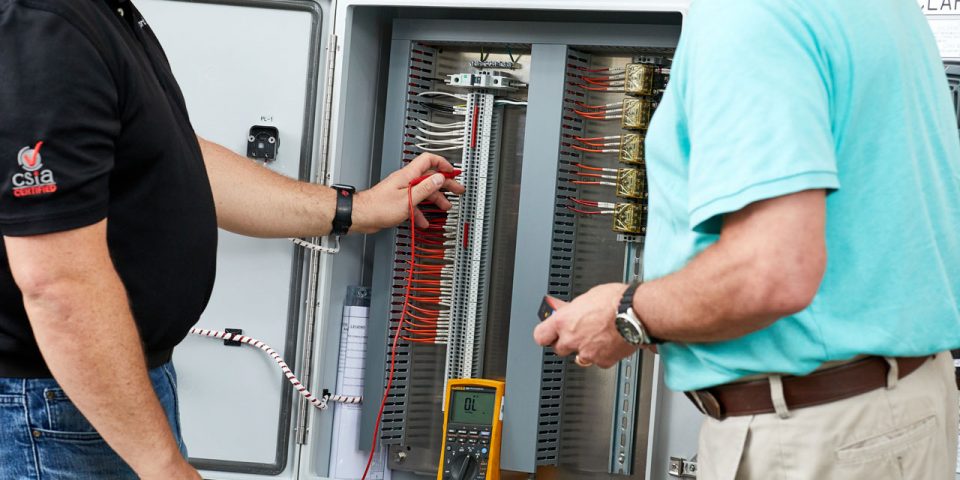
(707,403)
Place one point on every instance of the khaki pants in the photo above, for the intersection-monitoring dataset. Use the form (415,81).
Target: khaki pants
(907,431)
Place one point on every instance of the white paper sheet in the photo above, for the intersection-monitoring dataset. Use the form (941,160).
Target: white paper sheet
(346,461)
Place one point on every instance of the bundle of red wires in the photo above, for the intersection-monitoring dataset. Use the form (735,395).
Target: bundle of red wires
(421,295)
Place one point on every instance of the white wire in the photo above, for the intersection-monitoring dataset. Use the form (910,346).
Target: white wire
(320,403)
(510,102)
(442,94)
(452,133)
(422,146)
(443,126)
(603,107)
(453,141)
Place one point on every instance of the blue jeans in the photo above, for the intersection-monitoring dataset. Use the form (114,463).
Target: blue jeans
(44,436)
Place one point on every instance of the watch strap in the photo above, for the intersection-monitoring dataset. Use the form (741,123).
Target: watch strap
(627,300)
(626,307)
(343,217)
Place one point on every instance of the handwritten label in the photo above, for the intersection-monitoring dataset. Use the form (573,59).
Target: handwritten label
(944,17)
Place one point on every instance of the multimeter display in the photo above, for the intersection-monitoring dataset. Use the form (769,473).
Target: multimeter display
(472,407)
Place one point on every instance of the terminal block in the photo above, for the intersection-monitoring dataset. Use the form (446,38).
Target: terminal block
(631,149)
(486,79)
(630,218)
(636,113)
(632,183)
(638,79)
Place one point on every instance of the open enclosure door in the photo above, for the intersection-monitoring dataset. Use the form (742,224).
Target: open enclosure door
(251,72)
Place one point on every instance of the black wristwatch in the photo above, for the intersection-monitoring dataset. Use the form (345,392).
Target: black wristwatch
(629,326)
(343,218)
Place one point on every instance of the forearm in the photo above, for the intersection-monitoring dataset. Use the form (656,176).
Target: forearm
(91,345)
(255,201)
(767,264)
(713,298)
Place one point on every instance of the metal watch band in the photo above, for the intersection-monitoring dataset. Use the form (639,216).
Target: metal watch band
(343,218)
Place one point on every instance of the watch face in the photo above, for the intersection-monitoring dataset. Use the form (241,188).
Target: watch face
(628,330)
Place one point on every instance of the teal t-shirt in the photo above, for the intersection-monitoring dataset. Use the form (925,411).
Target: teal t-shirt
(772,97)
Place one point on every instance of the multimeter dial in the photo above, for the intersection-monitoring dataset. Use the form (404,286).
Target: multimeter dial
(465,440)
(464,466)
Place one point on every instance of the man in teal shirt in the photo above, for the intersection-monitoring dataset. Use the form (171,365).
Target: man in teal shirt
(803,250)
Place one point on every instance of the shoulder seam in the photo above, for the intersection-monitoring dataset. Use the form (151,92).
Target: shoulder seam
(66,18)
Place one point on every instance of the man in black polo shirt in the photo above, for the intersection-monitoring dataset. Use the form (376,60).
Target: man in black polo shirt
(109,207)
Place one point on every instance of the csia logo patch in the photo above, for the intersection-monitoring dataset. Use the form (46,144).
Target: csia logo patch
(34,179)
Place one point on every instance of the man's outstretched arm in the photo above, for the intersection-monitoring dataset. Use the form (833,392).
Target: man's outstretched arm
(255,201)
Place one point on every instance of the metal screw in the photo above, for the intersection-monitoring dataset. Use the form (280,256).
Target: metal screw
(401,457)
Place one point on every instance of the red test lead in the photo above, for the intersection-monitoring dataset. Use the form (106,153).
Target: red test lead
(449,175)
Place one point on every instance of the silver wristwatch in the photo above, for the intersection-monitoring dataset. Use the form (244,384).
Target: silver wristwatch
(629,326)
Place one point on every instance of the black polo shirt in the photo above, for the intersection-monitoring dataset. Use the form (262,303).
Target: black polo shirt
(89,80)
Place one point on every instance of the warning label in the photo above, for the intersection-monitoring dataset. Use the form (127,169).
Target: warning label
(944,17)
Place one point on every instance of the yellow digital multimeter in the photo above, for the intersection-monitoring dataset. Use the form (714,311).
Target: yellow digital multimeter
(471,430)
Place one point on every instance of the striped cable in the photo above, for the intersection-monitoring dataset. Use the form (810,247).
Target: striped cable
(320,402)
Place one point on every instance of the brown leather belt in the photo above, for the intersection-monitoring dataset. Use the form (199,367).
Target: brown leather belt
(817,388)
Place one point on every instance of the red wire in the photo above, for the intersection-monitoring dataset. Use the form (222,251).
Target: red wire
(476,121)
(582,211)
(588,203)
(600,113)
(592,70)
(581,182)
(594,175)
(588,139)
(419,340)
(424,299)
(583,149)
(594,81)
(421,310)
(423,319)
(396,337)
(588,167)
(594,89)
(584,105)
